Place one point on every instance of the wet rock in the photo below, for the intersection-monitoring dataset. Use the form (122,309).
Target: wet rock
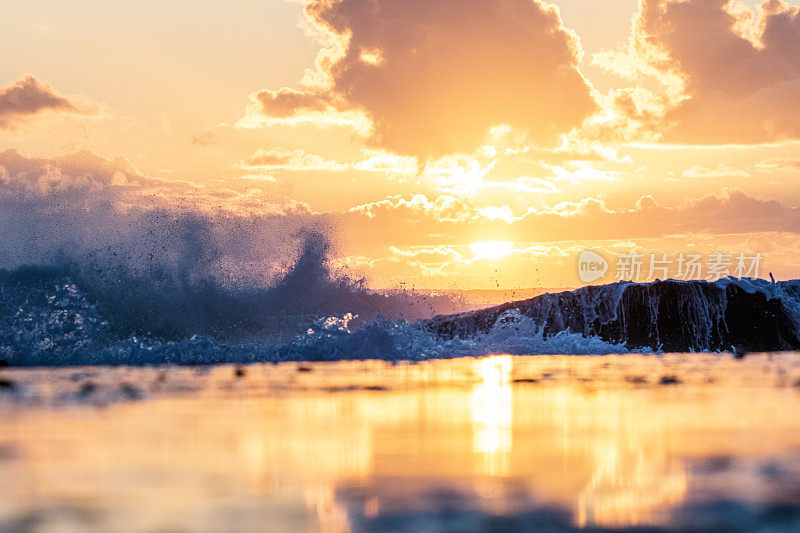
(240,372)
(672,316)
(669,380)
(4,363)
(7,384)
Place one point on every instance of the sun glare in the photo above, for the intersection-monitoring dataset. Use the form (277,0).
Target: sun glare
(495,250)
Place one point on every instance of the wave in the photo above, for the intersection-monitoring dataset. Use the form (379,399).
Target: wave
(96,269)
(66,316)
(47,318)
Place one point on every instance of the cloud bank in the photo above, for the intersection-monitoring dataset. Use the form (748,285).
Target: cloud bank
(738,72)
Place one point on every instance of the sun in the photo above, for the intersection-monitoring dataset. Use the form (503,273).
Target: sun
(494,250)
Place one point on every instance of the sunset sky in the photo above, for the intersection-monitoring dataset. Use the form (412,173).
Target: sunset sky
(438,144)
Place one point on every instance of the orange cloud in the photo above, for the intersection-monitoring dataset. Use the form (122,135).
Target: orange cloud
(420,221)
(286,102)
(29,97)
(435,77)
(739,74)
(293,160)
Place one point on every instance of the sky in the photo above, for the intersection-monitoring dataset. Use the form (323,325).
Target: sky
(437,144)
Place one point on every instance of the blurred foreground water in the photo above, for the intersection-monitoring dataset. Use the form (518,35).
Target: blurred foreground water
(677,442)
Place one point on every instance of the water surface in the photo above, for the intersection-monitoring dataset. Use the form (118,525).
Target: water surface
(692,442)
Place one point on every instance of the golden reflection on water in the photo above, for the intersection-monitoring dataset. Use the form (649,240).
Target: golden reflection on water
(331,448)
(492,413)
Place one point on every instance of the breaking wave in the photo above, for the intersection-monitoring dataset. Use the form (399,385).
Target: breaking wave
(48,318)
(100,264)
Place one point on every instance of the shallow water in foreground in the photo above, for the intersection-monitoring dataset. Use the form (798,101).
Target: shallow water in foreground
(690,442)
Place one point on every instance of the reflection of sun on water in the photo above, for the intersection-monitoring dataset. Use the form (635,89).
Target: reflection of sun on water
(492,413)
(576,436)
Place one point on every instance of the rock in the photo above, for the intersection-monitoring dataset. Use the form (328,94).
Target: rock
(671,316)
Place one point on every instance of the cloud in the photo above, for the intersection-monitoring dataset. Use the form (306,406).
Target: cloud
(533,185)
(418,209)
(292,160)
(29,97)
(81,177)
(734,76)
(720,171)
(286,102)
(379,161)
(84,180)
(445,220)
(435,77)
(289,107)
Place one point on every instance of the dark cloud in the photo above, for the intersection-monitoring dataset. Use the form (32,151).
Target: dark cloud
(294,160)
(29,97)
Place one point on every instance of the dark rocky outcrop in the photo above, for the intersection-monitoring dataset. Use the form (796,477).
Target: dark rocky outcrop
(673,316)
